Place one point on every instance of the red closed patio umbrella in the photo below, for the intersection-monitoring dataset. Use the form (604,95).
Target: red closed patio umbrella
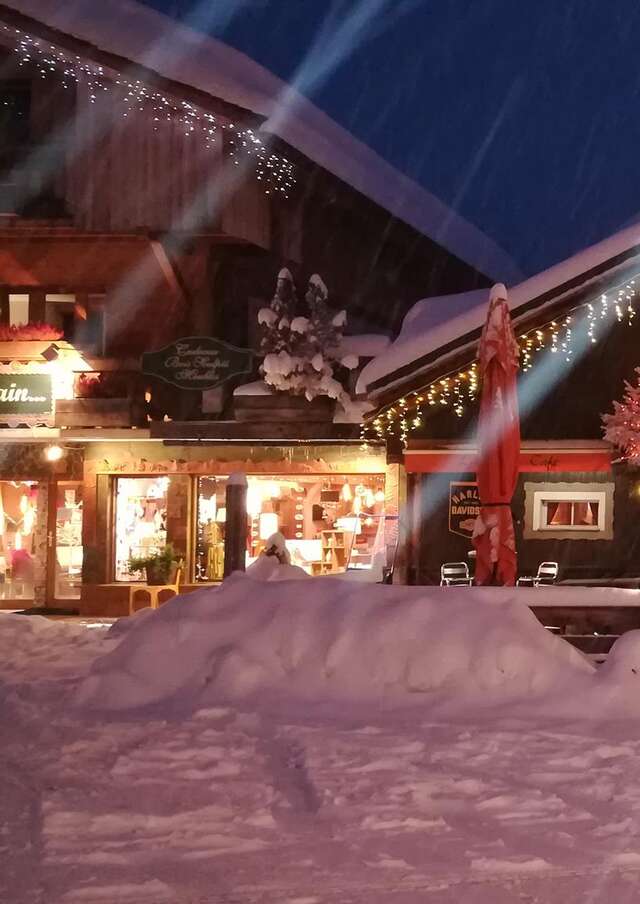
(498,441)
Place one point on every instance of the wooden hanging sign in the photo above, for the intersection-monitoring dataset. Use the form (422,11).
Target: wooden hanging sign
(26,397)
(197,362)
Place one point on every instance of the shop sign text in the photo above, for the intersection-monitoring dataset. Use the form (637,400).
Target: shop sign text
(464,507)
(25,397)
(197,362)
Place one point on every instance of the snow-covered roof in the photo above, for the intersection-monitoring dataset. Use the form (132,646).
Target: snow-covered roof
(433,324)
(364,345)
(140,34)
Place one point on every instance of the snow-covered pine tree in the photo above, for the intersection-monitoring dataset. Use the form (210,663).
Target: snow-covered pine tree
(622,428)
(278,341)
(301,353)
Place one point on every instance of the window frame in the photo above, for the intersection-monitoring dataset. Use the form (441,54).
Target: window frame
(537,495)
(541,499)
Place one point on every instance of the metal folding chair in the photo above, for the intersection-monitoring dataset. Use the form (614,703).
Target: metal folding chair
(455,574)
(547,575)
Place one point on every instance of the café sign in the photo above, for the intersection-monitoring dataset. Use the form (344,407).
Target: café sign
(26,398)
(197,362)
(464,507)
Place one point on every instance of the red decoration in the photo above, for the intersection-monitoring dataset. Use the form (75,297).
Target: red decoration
(622,428)
(29,332)
(454,461)
(498,446)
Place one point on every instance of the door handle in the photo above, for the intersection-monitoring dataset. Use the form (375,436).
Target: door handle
(50,539)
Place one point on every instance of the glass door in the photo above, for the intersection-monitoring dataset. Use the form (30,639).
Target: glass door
(65,541)
(18,516)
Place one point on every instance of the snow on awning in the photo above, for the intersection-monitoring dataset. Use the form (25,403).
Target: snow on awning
(434,326)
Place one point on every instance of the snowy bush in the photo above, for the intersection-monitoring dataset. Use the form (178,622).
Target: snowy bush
(301,352)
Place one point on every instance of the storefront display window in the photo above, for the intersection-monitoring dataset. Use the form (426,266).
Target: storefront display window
(210,530)
(68,561)
(151,512)
(18,510)
(330,522)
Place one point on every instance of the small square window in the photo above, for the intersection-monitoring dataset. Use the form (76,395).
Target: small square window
(568,511)
(18,309)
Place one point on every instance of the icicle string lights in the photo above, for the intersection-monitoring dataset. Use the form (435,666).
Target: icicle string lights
(459,389)
(275,171)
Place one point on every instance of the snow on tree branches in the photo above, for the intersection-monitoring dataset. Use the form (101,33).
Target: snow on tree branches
(301,353)
(622,428)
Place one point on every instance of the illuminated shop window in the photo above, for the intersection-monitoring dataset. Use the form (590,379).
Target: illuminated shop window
(150,513)
(568,511)
(330,522)
(68,545)
(18,515)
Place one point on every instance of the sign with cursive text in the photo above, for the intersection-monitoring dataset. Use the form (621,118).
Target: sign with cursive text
(197,362)
(26,398)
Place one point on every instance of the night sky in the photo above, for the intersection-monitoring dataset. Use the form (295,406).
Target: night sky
(525,117)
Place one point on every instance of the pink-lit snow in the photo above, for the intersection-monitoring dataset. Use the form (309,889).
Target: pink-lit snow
(317,639)
(508,772)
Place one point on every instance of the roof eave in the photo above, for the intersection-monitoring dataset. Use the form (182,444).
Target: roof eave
(117,63)
(462,350)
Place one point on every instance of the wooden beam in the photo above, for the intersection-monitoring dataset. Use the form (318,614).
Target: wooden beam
(216,431)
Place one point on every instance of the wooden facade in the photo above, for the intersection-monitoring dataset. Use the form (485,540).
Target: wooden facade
(562,398)
(94,162)
(130,230)
(579,559)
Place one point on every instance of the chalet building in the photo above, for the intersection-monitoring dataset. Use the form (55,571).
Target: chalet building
(152,184)
(576,503)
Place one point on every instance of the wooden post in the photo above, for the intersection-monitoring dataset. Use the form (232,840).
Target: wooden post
(235,536)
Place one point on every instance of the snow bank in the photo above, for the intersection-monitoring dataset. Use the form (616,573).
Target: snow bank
(34,645)
(321,639)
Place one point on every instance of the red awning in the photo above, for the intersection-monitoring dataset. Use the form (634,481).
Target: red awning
(458,461)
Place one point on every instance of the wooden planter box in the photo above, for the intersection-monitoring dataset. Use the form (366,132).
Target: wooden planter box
(96,413)
(281,406)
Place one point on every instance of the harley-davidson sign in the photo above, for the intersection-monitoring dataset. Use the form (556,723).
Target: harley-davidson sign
(464,507)
(197,362)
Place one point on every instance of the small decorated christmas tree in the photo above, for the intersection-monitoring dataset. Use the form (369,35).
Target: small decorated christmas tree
(622,428)
(302,353)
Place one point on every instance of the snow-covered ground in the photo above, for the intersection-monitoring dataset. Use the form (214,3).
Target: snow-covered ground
(484,763)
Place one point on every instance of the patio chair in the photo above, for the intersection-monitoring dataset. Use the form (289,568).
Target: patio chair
(455,574)
(547,575)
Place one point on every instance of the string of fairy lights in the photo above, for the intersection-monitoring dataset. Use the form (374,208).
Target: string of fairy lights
(458,390)
(134,96)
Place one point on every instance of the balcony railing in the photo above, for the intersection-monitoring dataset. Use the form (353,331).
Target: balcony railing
(103,399)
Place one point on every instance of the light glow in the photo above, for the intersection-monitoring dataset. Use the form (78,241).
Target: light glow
(53,453)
